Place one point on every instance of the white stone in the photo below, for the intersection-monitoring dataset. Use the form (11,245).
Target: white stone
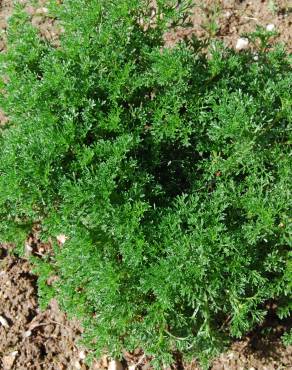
(270,27)
(82,355)
(4,322)
(115,365)
(132,367)
(241,44)
(27,334)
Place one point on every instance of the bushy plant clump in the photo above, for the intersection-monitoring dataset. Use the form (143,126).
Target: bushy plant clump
(167,170)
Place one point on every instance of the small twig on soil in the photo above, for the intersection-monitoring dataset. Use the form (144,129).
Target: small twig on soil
(255,19)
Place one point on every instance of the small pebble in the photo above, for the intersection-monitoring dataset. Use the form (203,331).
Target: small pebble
(27,334)
(241,44)
(4,322)
(270,27)
(82,355)
(115,365)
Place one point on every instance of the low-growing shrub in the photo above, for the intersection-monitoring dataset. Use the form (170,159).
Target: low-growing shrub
(167,169)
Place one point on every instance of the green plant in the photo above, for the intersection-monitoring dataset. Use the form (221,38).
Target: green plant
(273,6)
(287,338)
(261,38)
(283,7)
(167,170)
(212,13)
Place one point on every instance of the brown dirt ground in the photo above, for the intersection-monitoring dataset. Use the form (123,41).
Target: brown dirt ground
(227,20)
(35,340)
(32,339)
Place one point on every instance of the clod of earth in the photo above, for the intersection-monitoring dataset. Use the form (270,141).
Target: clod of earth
(8,360)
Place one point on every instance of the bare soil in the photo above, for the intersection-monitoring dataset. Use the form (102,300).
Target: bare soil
(227,20)
(31,339)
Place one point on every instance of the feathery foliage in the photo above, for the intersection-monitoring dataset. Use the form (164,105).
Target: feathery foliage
(168,171)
